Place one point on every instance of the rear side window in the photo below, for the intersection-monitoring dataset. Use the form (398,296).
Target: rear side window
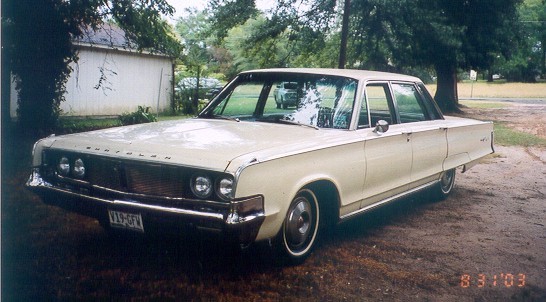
(433,110)
(409,102)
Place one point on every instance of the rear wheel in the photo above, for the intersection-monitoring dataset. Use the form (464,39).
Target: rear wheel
(299,231)
(445,185)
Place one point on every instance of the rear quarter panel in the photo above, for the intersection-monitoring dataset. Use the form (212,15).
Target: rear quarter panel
(468,140)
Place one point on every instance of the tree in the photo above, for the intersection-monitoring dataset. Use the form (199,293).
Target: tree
(447,35)
(529,60)
(251,47)
(344,34)
(194,30)
(289,37)
(37,47)
(402,34)
(540,24)
(227,14)
(542,36)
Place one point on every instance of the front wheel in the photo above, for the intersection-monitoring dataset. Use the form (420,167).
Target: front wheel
(284,105)
(299,231)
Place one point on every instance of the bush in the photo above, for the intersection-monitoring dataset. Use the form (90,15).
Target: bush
(74,125)
(142,115)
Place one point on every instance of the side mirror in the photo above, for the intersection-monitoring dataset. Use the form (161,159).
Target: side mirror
(381,127)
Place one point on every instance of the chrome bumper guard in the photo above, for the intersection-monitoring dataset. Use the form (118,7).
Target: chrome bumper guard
(241,218)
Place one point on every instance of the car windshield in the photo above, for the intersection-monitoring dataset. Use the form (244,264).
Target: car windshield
(319,101)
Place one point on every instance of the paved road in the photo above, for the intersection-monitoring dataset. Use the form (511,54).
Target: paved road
(538,101)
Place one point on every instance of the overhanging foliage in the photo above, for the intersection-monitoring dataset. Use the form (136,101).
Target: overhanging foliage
(37,48)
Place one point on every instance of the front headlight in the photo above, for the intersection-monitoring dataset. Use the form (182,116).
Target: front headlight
(79,169)
(201,185)
(225,188)
(63,167)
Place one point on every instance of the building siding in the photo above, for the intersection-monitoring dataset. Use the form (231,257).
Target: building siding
(107,81)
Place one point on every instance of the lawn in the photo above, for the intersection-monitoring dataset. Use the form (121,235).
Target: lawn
(76,124)
(507,136)
(498,90)
(484,104)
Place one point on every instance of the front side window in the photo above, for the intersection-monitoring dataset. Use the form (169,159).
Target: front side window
(316,100)
(380,105)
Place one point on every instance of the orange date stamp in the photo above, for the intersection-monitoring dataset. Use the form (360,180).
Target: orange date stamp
(506,280)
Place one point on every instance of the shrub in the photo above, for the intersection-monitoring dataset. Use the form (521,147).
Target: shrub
(142,115)
(67,125)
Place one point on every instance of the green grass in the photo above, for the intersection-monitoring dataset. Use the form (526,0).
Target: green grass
(163,118)
(498,90)
(73,125)
(484,104)
(506,136)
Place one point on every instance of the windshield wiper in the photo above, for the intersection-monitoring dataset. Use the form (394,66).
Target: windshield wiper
(283,121)
(223,117)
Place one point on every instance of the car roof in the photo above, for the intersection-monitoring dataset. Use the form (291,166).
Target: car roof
(362,75)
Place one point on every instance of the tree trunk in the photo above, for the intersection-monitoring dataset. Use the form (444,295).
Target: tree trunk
(173,98)
(446,88)
(489,76)
(543,59)
(6,93)
(196,95)
(344,35)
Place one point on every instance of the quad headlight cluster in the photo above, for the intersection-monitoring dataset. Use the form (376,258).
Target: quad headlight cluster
(67,168)
(76,168)
(203,185)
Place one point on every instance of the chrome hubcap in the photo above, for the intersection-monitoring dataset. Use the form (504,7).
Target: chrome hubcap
(298,224)
(447,180)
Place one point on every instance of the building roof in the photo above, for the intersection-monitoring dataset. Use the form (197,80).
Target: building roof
(110,36)
(107,35)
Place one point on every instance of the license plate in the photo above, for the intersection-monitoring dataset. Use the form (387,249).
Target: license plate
(126,220)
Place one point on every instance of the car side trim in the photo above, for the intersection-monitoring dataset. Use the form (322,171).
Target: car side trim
(387,200)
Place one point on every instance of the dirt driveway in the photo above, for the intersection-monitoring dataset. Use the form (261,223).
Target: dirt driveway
(487,242)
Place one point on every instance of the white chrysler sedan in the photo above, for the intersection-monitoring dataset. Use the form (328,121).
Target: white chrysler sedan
(254,171)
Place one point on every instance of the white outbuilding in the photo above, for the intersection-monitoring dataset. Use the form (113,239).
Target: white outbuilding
(111,77)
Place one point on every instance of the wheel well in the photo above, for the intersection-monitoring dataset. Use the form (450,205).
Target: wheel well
(328,198)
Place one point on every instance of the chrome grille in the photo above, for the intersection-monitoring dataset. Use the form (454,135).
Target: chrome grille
(134,177)
(105,173)
(154,180)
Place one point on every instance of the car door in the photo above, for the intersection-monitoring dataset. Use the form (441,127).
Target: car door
(424,130)
(388,155)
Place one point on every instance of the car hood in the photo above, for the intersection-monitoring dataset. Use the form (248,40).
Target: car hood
(204,143)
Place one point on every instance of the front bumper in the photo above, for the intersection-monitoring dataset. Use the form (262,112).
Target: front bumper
(238,220)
